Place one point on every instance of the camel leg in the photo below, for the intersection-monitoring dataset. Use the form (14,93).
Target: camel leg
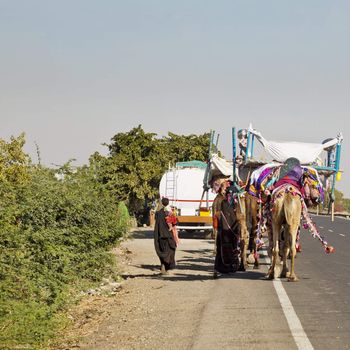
(242,219)
(256,259)
(251,207)
(255,250)
(293,277)
(284,272)
(244,246)
(292,213)
(275,256)
(276,227)
(270,248)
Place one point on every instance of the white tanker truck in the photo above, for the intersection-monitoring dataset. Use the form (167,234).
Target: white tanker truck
(183,186)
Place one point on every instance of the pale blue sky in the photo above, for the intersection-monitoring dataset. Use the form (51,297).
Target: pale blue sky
(74,73)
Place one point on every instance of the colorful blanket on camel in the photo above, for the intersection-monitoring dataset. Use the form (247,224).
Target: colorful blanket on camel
(272,175)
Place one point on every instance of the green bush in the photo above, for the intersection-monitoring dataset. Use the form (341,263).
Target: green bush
(55,237)
(123,217)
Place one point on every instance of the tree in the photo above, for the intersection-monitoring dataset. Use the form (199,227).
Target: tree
(133,168)
(55,238)
(137,160)
(14,163)
(191,147)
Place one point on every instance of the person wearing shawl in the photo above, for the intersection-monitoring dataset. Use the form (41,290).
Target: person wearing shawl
(226,258)
(219,186)
(164,242)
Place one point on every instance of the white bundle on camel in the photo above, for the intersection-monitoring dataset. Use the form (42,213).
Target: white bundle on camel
(219,167)
(307,153)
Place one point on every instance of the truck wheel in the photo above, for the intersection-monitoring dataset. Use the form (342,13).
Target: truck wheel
(190,230)
(208,234)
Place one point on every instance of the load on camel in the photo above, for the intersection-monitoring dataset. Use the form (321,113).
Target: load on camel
(284,192)
(273,197)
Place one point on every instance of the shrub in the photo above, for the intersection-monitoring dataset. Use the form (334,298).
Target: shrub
(55,237)
(123,217)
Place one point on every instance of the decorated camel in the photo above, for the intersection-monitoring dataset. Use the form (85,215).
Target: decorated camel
(286,213)
(267,198)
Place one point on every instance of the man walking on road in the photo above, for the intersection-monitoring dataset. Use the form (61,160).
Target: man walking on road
(164,242)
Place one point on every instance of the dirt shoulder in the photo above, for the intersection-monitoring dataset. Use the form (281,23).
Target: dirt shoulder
(150,311)
(186,309)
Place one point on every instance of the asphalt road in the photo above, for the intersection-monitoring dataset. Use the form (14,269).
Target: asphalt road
(321,298)
(188,309)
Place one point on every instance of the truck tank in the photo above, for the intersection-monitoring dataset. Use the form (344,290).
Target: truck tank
(183,186)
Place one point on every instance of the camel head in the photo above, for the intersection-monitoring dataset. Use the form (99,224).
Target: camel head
(313,192)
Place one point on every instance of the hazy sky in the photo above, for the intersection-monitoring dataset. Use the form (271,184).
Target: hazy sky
(73,73)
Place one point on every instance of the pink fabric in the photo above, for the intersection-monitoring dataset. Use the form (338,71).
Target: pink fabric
(289,181)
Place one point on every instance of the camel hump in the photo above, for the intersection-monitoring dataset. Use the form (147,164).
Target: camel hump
(292,208)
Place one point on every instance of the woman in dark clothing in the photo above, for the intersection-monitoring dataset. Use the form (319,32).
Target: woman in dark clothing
(227,253)
(164,242)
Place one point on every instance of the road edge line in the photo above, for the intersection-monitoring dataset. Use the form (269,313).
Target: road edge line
(301,339)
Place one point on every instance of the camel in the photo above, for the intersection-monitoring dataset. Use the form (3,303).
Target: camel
(241,214)
(247,215)
(242,210)
(247,208)
(286,209)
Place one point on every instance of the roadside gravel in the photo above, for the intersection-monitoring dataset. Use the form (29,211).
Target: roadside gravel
(153,311)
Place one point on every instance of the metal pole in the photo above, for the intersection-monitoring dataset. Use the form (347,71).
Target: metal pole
(234,154)
(205,180)
(329,158)
(216,143)
(252,147)
(207,206)
(248,146)
(337,157)
(235,185)
(333,196)
(212,132)
(336,166)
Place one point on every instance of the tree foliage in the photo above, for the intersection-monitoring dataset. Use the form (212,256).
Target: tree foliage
(137,161)
(54,238)
(57,226)
(184,148)
(13,160)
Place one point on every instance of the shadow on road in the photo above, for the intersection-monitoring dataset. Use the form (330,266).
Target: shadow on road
(175,276)
(204,267)
(192,265)
(147,233)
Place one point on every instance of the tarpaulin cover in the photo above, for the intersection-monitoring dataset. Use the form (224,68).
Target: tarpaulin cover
(306,153)
(218,167)
(191,164)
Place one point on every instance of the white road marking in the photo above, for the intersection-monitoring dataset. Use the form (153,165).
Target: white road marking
(300,337)
(320,226)
(341,234)
(330,230)
(347,217)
